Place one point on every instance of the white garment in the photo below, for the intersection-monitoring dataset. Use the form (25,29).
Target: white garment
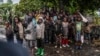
(32,34)
(40,30)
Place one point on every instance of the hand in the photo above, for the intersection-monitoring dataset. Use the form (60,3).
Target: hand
(60,34)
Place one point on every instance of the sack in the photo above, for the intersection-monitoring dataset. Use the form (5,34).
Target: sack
(84,19)
(82,38)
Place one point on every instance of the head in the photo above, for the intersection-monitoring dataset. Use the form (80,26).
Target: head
(79,18)
(40,21)
(7,24)
(58,17)
(33,14)
(47,17)
(16,19)
(65,19)
(30,14)
(29,20)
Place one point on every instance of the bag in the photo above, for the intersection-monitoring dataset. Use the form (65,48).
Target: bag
(84,19)
(82,38)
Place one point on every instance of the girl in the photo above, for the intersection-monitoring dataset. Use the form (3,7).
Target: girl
(31,36)
(65,25)
(9,32)
(18,30)
(40,37)
(58,33)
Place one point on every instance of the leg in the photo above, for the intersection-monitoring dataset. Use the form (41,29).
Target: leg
(10,39)
(39,47)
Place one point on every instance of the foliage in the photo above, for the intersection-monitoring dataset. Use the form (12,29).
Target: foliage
(4,10)
(29,5)
(69,5)
(9,1)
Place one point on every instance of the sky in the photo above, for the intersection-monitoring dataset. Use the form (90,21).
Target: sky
(14,1)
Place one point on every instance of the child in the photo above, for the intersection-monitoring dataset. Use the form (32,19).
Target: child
(9,32)
(58,33)
(58,40)
(31,36)
(40,37)
(65,25)
(79,31)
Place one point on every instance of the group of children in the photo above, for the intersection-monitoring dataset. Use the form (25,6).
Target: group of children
(40,28)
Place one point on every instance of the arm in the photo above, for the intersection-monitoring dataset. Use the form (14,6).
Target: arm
(43,29)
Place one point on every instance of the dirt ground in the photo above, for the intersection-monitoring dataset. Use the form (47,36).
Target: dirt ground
(87,50)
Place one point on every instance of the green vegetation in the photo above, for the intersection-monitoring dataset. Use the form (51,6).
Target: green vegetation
(85,6)
(69,5)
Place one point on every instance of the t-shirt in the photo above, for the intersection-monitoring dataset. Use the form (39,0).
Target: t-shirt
(78,26)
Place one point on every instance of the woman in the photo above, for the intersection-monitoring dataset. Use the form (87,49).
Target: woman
(9,32)
(40,37)
(18,30)
(65,25)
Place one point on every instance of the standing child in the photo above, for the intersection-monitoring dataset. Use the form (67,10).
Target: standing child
(58,33)
(9,32)
(65,25)
(40,37)
(79,31)
(31,36)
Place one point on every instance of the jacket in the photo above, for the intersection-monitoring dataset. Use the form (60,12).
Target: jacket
(40,30)
(32,34)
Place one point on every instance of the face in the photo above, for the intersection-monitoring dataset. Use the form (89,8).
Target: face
(33,14)
(65,19)
(6,24)
(58,17)
(30,14)
(40,20)
(51,18)
(79,19)
(47,17)
(16,20)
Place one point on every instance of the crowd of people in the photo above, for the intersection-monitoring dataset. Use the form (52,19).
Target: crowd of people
(48,27)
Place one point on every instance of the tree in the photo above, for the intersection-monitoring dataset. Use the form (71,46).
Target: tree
(29,5)
(4,10)
(9,1)
(69,5)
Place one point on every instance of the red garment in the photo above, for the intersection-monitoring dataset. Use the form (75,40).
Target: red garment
(65,41)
